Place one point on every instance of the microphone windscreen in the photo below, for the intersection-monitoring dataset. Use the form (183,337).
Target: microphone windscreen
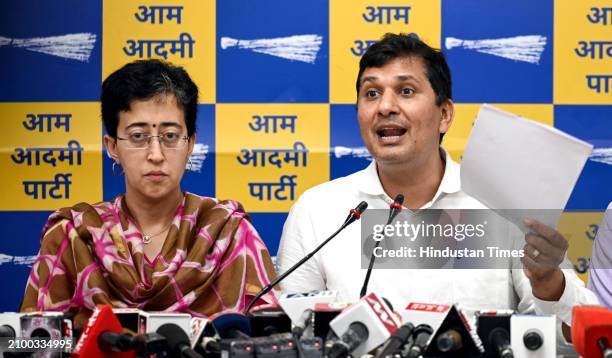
(227,323)
(362,207)
(399,199)
(589,323)
(175,336)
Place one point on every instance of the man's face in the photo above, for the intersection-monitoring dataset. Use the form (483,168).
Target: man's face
(398,117)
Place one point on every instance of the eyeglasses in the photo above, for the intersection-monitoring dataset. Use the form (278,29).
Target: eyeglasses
(168,140)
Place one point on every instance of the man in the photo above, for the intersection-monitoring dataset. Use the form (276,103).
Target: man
(404,107)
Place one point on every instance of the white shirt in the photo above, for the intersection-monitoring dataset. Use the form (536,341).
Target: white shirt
(322,209)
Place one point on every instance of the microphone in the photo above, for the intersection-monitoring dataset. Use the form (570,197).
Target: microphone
(268,319)
(533,336)
(396,341)
(421,335)
(449,341)
(301,324)
(371,312)
(143,345)
(356,334)
(592,331)
(353,215)
(129,319)
(114,341)
(323,314)
(294,304)
(178,341)
(500,340)
(533,340)
(394,208)
(102,320)
(149,322)
(10,325)
(604,347)
(231,325)
(494,332)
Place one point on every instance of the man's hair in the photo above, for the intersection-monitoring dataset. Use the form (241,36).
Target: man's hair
(393,46)
(143,80)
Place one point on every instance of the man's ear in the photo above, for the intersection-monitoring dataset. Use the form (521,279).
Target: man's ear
(111,147)
(447,111)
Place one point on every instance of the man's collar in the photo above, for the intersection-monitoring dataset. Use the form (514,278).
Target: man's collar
(451,180)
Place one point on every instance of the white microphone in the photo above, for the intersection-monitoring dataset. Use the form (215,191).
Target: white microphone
(294,304)
(151,321)
(10,326)
(363,326)
(533,336)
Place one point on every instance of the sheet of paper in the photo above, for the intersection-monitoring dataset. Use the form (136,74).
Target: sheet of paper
(511,162)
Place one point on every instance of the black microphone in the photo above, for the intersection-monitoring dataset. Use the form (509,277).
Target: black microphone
(394,208)
(304,322)
(499,338)
(149,343)
(356,334)
(604,347)
(178,341)
(110,341)
(7,331)
(449,341)
(533,340)
(421,334)
(396,341)
(353,215)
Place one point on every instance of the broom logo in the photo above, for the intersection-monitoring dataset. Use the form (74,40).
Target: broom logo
(519,48)
(302,48)
(70,46)
(602,155)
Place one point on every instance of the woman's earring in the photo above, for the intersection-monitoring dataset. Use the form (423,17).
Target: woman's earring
(114,169)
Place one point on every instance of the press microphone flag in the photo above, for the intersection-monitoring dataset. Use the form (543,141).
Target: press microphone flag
(373,313)
(449,324)
(102,320)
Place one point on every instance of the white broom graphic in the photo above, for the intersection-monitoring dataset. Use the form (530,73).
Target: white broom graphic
(355,152)
(302,48)
(602,155)
(519,48)
(17,260)
(71,46)
(200,151)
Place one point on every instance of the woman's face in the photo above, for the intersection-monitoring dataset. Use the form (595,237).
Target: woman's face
(153,170)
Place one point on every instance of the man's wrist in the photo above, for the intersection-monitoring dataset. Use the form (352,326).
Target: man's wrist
(550,287)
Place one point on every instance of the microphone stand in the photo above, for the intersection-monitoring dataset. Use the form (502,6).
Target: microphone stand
(354,215)
(396,207)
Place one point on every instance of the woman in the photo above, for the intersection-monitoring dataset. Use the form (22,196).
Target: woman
(155,247)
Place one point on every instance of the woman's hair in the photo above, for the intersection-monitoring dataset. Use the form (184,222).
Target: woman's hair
(142,80)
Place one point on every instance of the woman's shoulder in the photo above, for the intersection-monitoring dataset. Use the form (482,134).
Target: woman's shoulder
(82,212)
(205,204)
